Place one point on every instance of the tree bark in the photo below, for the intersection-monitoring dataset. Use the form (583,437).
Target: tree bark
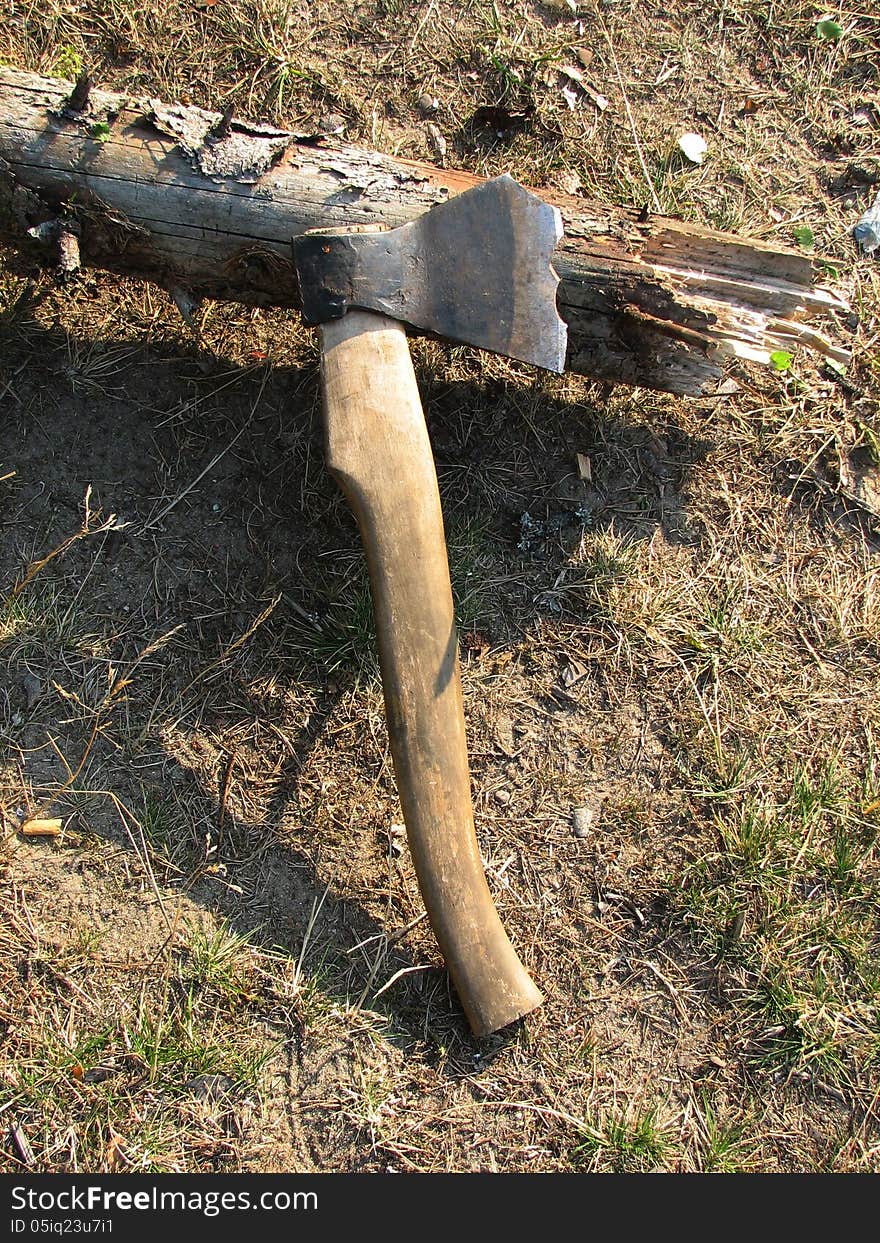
(206,204)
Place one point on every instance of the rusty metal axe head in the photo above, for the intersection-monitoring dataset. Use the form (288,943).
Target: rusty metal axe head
(476,269)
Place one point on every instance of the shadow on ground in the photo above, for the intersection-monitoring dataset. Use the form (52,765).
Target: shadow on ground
(242,743)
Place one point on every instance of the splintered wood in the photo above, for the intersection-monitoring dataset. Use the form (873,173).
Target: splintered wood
(201,202)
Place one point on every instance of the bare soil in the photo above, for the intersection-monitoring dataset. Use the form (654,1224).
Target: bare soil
(219,963)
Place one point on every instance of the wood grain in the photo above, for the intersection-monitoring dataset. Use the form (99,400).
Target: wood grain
(378,449)
(648,301)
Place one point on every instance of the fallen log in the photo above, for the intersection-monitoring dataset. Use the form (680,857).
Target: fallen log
(203,203)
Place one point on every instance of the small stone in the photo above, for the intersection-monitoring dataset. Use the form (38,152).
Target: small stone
(331,125)
(428,105)
(210,1088)
(32,688)
(566,180)
(503,797)
(504,735)
(582,821)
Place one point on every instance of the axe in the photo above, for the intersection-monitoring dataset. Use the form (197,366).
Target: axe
(476,269)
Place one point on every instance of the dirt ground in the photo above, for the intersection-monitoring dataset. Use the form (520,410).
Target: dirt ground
(670,667)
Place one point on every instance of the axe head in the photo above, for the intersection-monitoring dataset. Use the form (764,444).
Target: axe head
(476,269)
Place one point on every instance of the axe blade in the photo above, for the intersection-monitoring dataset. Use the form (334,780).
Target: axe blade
(476,270)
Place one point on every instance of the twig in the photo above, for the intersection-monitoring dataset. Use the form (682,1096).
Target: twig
(670,987)
(391,940)
(85,530)
(72,774)
(163,513)
(227,652)
(398,975)
(225,782)
(657,205)
(300,962)
(142,853)
(422,23)
(21,1142)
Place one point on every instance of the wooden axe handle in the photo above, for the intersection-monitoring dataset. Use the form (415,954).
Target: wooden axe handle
(378,450)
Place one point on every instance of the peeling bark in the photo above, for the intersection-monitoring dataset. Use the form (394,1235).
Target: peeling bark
(200,201)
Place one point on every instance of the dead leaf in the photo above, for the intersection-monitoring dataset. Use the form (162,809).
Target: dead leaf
(576,75)
(573,672)
(114,1153)
(570,97)
(573,73)
(473,643)
(585,467)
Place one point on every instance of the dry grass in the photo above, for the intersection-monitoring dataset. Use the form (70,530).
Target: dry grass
(198,973)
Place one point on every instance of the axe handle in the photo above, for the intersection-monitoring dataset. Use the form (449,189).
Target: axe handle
(378,450)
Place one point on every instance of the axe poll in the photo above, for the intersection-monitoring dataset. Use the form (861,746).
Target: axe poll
(476,269)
